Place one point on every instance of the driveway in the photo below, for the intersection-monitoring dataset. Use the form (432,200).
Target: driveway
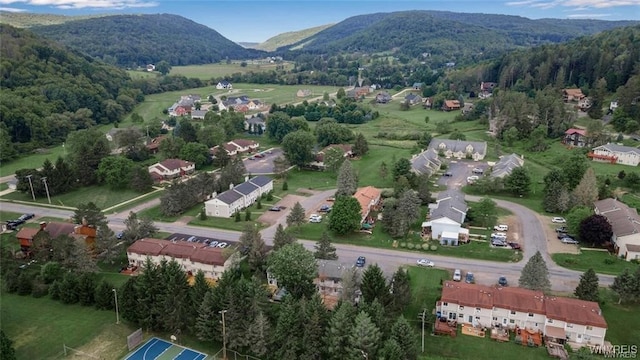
(460,170)
(263,165)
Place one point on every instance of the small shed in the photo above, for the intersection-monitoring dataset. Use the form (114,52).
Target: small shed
(449,238)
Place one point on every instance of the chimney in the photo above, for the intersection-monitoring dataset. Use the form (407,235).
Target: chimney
(43,225)
(230,186)
(84,221)
(246,178)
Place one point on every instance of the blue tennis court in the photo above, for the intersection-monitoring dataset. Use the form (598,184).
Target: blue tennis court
(158,349)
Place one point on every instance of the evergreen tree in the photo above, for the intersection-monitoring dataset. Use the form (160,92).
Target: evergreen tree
(69,289)
(149,296)
(86,289)
(104,298)
(374,285)
(422,189)
(518,182)
(588,287)
(237,217)
(535,274)
(324,249)
(25,284)
(347,182)
(350,285)
(91,214)
(176,309)
(259,335)
(400,292)
(247,300)
(405,336)
(197,292)
(296,216)
(247,214)
(257,253)
(586,193)
(360,147)
(364,339)
(391,350)
(625,286)
(556,197)
(288,332)
(340,326)
(378,315)
(281,238)
(54,289)
(7,352)
(314,325)
(206,326)
(128,300)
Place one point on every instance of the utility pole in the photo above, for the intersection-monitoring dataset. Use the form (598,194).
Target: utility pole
(31,186)
(46,187)
(115,295)
(224,336)
(424,311)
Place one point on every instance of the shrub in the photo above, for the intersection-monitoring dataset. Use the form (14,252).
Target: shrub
(403,244)
(433,247)
(609,261)
(39,290)
(425,247)
(270,196)
(411,246)
(285,186)
(203,215)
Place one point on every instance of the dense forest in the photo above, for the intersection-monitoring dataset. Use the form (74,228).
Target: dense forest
(137,40)
(446,36)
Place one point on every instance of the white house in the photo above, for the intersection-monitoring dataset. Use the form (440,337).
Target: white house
(224,85)
(446,218)
(616,154)
(559,319)
(238,197)
(459,149)
(171,168)
(191,256)
(625,223)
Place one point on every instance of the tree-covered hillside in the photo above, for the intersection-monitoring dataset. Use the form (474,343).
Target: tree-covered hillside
(27,20)
(48,91)
(137,40)
(453,36)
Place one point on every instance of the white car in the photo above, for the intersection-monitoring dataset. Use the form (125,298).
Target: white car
(457,275)
(425,262)
(568,240)
(559,220)
(473,178)
(501,227)
(315,218)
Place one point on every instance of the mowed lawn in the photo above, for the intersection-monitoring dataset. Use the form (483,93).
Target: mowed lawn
(102,196)
(208,71)
(600,261)
(32,161)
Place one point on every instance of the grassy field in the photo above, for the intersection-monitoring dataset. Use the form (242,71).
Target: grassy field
(602,262)
(208,71)
(8,215)
(230,223)
(32,161)
(142,74)
(102,196)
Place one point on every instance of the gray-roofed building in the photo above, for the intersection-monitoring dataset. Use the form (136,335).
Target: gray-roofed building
(459,149)
(238,197)
(616,154)
(427,162)
(446,217)
(198,114)
(264,183)
(255,125)
(506,164)
(413,99)
(625,223)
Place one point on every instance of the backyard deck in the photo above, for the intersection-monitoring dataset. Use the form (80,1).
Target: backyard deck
(473,331)
(557,351)
(528,337)
(500,334)
(445,328)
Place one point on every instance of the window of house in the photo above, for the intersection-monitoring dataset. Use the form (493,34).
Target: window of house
(495,318)
(477,317)
(460,316)
(478,309)
(530,314)
(445,304)
(513,312)
(461,307)
(550,321)
(589,327)
(512,321)
(570,326)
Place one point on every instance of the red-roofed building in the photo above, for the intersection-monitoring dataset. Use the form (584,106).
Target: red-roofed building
(192,256)
(450,105)
(575,137)
(154,145)
(369,199)
(572,95)
(170,169)
(560,319)
(82,232)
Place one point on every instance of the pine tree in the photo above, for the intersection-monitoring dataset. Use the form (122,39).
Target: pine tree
(69,289)
(535,274)
(340,326)
(259,335)
(364,339)
(360,147)
(324,249)
(350,285)
(296,216)
(281,238)
(374,285)
(391,350)
(347,182)
(586,193)
(7,352)
(625,286)
(378,315)
(104,297)
(405,336)
(383,170)
(288,332)
(25,284)
(257,253)
(315,323)
(247,301)
(128,300)
(197,292)
(237,217)
(401,292)
(206,326)
(176,312)
(149,295)
(588,287)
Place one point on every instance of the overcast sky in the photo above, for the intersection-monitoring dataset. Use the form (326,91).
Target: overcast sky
(258,20)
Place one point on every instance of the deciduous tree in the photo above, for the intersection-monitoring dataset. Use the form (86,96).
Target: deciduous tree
(518,182)
(535,274)
(575,217)
(595,230)
(137,229)
(295,268)
(586,192)
(345,215)
(298,146)
(588,287)
(333,158)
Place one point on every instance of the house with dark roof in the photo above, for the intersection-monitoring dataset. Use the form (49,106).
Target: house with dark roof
(616,154)
(459,149)
(486,89)
(192,256)
(559,319)
(506,164)
(238,197)
(383,97)
(413,99)
(171,168)
(427,162)
(446,217)
(255,125)
(329,281)
(417,86)
(625,224)
(153,145)
(224,85)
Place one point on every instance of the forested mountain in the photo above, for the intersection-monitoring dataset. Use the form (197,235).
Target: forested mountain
(137,40)
(455,36)
(48,91)
(26,20)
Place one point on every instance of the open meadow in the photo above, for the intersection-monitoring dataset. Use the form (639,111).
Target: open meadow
(218,70)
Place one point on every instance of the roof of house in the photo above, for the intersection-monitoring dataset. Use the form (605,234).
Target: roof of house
(487,85)
(229,197)
(147,246)
(198,113)
(458,145)
(418,84)
(618,148)
(574,311)
(208,255)
(331,269)
(261,180)
(56,229)
(506,164)
(180,249)
(412,97)
(573,92)
(467,294)
(27,233)
(244,142)
(519,299)
(255,120)
(452,209)
(365,196)
(426,162)
(624,220)
(175,164)
(196,252)
(572,131)
(452,103)
(245,188)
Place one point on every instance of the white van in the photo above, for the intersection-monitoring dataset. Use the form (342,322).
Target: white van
(499,236)
(501,227)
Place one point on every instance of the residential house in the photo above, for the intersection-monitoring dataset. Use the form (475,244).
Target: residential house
(358,92)
(428,103)
(450,105)
(224,85)
(625,224)
(245,145)
(151,67)
(238,197)
(459,149)
(230,148)
(613,105)
(506,164)
(179,110)
(427,162)
(486,89)
(198,114)
(584,104)
(303,93)
(83,232)
(450,64)
(572,95)
(383,97)
(559,319)
(417,86)
(413,99)
(255,125)
(346,150)
(171,168)
(241,108)
(575,137)
(468,107)
(153,145)
(254,104)
(191,256)
(616,154)
(446,217)
(369,200)
(329,281)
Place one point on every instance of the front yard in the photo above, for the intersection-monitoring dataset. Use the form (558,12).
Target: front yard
(602,262)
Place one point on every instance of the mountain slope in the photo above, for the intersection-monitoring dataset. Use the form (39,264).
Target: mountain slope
(27,20)
(134,40)
(289,38)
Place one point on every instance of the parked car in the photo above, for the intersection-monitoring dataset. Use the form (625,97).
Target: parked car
(569,240)
(315,218)
(515,246)
(502,281)
(457,275)
(501,227)
(564,236)
(473,178)
(562,229)
(259,155)
(497,242)
(498,236)
(448,174)
(469,279)
(558,220)
(425,262)
(26,217)
(325,208)
(361,261)
(252,158)
(120,235)
(275,208)
(477,171)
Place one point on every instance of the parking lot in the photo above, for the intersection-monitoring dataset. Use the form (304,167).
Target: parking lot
(263,165)
(211,242)
(459,171)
